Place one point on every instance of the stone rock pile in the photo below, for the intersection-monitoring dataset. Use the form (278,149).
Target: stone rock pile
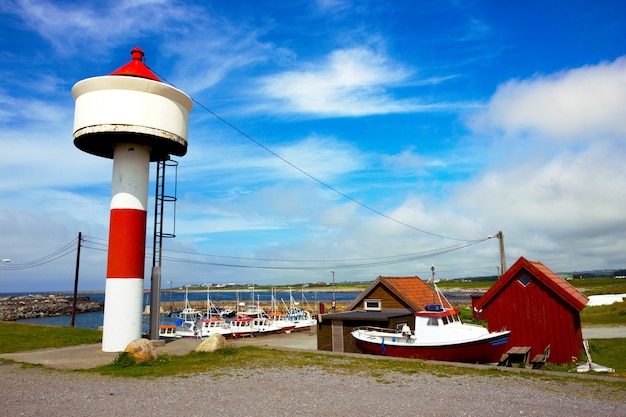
(34,306)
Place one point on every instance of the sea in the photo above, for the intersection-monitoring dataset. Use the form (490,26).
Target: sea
(94,320)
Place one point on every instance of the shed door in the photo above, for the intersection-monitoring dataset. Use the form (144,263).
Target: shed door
(337,336)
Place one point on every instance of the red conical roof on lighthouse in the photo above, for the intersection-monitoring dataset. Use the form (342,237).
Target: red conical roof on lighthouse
(136,67)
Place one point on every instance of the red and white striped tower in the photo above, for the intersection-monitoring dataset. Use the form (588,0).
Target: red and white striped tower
(133,118)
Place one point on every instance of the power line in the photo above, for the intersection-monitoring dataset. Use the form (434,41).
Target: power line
(326,267)
(322,183)
(253,263)
(99,244)
(57,254)
(379,258)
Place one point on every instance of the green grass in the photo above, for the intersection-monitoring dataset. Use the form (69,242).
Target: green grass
(18,337)
(611,315)
(248,360)
(597,286)
(23,337)
(609,352)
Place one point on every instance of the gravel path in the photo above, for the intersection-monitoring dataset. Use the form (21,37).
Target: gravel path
(299,392)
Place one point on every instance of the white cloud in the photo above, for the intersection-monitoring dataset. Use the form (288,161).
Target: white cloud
(409,159)
(349,82)
(582,103)
(69,28)
(557,191)
(322,157)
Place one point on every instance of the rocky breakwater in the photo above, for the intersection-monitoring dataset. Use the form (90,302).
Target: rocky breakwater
(34,306)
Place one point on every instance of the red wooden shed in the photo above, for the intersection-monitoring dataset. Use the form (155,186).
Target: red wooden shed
(539,307)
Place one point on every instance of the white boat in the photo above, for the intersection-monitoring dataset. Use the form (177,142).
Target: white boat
(301,319)
(167,331)
(210,326)
(281,320)
(264,325)
(186,329)
(188,313)
(252,312)
(438,334)
(242,327)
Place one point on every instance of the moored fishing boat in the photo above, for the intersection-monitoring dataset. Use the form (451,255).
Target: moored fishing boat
(188,313)
(242,327)
(210,326)
(252,311)
(167,331)
(438,335)
(186,329)
(282,321)
(264,325)
(301,319)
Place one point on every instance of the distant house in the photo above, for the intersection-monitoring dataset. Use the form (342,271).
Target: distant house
(388,302)
(539,307)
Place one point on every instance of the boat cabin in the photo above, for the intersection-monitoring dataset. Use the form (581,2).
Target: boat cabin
(436,315)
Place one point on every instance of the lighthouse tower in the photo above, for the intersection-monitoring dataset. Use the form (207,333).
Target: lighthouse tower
(133,118)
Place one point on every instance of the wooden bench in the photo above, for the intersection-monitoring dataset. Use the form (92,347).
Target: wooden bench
(515,355)
(540,359)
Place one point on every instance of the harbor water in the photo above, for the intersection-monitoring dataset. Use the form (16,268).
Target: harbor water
(173,299)
(308,300)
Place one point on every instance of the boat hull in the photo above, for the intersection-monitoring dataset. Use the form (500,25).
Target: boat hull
(484,350)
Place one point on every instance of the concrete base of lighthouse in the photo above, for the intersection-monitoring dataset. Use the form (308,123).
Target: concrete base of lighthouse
(122,313)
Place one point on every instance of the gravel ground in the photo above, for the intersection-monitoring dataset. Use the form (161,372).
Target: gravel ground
(299,392)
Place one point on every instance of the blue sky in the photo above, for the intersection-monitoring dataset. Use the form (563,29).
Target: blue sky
(407,132)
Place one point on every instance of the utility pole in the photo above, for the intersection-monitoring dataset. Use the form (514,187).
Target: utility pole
(333,303)
(502,257)
(80,238)
(500,237)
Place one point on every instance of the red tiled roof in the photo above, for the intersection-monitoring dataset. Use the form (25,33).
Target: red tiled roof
(413,291)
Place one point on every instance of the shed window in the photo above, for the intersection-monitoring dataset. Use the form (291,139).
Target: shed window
(524,279)
(372,305)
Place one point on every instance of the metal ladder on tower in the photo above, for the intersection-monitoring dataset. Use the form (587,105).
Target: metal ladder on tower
(161,198)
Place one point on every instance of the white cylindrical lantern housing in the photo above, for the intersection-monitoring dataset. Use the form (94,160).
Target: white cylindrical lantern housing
(112,107)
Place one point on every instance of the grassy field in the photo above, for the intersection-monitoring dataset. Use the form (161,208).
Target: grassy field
(19,337)
(247,359)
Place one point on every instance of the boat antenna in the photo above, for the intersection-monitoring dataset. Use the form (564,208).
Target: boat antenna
(432,279)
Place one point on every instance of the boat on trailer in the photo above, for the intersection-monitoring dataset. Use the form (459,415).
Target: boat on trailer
(438,335)
(242,327)
(186,329)
(167,331)
(213,325)
(282,321)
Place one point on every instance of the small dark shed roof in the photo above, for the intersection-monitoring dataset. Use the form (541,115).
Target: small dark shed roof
(384,315)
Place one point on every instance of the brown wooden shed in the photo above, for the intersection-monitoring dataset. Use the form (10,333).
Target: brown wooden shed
(388,302)
(539,307)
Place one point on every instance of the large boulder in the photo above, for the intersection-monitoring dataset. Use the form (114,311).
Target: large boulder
(212,343)
(142,350)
